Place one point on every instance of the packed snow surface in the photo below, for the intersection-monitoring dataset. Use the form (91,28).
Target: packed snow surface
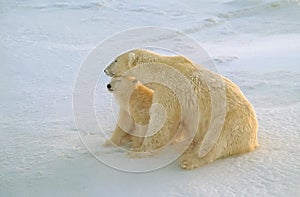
(42,44)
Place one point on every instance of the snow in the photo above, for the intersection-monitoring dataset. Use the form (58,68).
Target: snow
(42,45)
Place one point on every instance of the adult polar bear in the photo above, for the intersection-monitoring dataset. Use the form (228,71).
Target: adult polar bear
(238,132)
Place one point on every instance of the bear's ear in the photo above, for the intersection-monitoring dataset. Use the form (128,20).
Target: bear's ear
(131,57)
(134,81)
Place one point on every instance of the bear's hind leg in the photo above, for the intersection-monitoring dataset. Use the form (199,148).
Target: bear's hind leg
(190,160)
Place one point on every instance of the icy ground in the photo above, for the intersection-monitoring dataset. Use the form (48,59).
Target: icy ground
(42,43)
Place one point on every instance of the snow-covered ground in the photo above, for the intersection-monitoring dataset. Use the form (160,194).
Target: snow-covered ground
(42,44)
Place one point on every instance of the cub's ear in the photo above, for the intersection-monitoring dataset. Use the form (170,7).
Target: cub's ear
(131,57)
(132,79)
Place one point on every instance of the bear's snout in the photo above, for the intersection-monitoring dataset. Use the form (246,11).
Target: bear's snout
(109,87)
(106,71)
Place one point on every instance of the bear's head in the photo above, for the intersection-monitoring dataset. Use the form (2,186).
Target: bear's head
(120,65)
(122,85)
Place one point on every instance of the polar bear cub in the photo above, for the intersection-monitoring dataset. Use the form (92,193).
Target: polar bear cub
(134,101)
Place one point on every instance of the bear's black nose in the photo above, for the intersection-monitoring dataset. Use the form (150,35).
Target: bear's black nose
(108,86)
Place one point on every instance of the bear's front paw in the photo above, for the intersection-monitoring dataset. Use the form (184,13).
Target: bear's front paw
(138,155)
(189,162)
(107,143)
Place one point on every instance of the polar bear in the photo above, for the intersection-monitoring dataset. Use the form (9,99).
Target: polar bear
(227,122)
(134,101)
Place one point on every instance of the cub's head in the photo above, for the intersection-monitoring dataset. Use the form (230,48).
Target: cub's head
(120,65)
(121,85)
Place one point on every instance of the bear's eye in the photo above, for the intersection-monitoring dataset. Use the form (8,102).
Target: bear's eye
(116,61)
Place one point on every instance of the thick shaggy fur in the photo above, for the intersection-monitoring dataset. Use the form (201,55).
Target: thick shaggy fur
(215,95)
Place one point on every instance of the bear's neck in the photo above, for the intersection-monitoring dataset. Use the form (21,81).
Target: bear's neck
(123,98)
